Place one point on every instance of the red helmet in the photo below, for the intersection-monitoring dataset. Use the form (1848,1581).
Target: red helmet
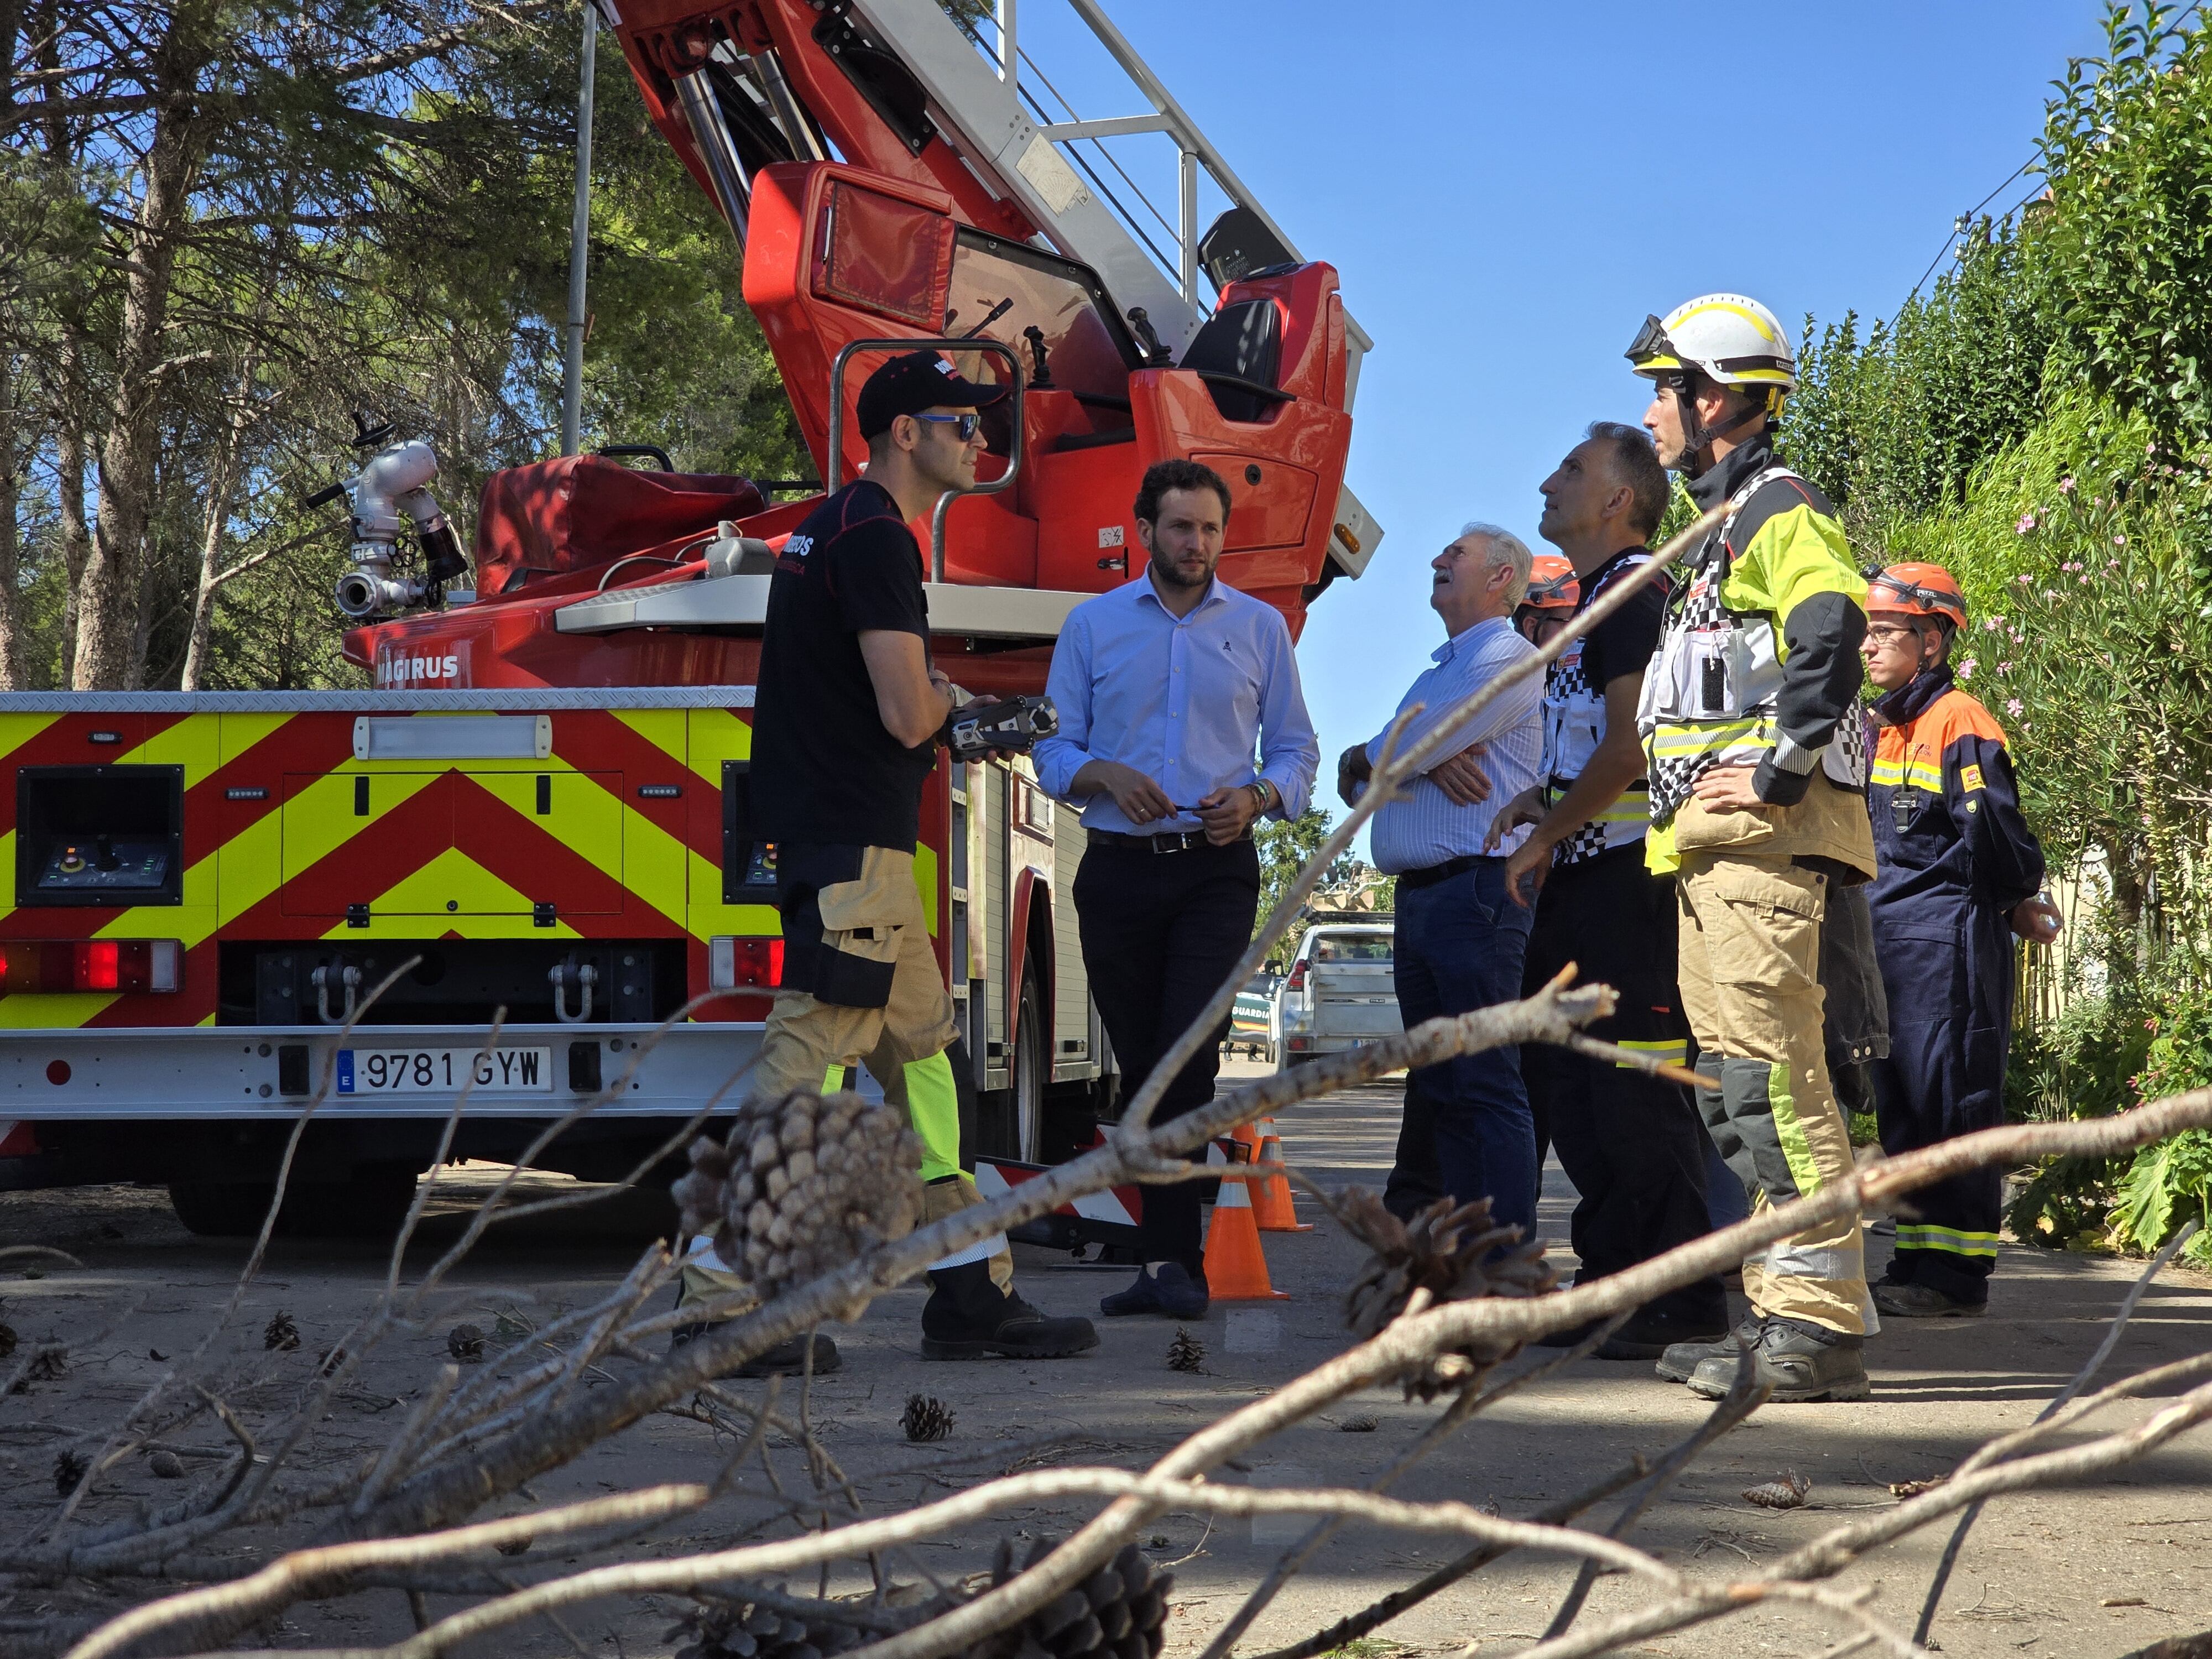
(1552,585)
(1918,590)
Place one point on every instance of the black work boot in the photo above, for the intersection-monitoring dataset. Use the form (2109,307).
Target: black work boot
(967,1316)
(1802,1361)
(1915,1301)
(1655,1333)
(784,1359)
(1677,1363)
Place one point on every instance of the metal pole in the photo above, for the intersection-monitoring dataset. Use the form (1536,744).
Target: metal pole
(1009,58)
(717,152)
(1186,259)
(580,238)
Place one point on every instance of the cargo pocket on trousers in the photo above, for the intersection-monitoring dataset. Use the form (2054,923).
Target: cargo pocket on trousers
(859,945)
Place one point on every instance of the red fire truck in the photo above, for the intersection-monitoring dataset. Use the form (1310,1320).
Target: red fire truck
(543,803)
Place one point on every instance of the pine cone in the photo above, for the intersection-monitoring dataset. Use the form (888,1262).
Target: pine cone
(166,1464)
(1454,1254)
(746,1630)
(803,1185)
(69,1471)
(50,1366)
(1787,1493)
(280,1331)
(1120,1612)
(1186,1353)
(465,1343)
(926,1419)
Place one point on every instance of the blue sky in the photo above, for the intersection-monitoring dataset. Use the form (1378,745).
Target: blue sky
(1508,190)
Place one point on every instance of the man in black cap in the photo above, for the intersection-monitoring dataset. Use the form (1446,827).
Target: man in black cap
(845,732)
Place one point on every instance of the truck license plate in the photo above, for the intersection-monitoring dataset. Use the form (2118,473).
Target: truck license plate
(444,1071)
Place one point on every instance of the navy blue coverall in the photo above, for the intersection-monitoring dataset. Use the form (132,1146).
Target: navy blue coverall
(1955,859)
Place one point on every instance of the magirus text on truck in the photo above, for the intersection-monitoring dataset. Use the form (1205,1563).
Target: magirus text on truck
(544,801)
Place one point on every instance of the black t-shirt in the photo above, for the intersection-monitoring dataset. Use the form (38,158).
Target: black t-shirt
(824,770)
(1623,642)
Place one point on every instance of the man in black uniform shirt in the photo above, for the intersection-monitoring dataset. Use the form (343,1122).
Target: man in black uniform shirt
(1632,1144)
(845,732)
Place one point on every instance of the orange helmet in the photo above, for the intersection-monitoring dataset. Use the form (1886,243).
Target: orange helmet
(1552,585)
(1918,590)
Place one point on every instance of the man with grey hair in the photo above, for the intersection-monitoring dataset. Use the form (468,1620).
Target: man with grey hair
(1460,937)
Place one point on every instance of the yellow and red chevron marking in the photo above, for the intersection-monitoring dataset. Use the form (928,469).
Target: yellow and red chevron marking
(284,831)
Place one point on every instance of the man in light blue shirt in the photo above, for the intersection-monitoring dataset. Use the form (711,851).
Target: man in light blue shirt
(1459,939)
(1168,688)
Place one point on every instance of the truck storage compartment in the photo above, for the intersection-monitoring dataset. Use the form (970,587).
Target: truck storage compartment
(107,836)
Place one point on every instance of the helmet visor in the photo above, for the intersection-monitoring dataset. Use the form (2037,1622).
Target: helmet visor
(1651,342)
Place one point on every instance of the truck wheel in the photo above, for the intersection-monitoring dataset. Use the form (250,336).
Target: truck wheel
(370,1204)
(1032,1069)
(221,1209)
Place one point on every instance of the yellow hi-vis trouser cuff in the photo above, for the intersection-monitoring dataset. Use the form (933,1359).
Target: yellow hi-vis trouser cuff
(1918,1235)
(1749,972)
(931,1098)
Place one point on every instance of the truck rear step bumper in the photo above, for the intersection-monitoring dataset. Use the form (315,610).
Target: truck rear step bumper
(247,1072)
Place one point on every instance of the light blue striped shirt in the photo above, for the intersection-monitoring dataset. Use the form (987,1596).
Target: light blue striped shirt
(1185,700)
(1425,827)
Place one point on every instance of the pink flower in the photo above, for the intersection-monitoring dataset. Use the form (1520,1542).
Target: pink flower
(2119,541)
(2004,668)
(1991,624)
(1966,668)
(2066,486)
(2024,579)
(2013,707)
(2083,579)
(2026,523)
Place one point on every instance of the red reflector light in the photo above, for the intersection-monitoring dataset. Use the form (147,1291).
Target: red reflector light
(98,966)
(748,965)
(60,967)
(1298,975)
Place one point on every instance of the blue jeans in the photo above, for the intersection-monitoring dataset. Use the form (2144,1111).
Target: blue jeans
(1460,945)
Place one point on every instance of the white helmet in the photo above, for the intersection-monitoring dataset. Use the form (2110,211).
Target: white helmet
(1724,336)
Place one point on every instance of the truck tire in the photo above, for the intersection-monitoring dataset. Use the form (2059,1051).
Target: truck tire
(221,1209)
(1031,1071)
(370,1204)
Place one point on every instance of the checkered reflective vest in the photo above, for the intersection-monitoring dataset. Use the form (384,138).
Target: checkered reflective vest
(1709,699)
(1574,722)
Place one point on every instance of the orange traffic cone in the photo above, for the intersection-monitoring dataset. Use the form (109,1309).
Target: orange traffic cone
(1271,1205)
(1236,1267)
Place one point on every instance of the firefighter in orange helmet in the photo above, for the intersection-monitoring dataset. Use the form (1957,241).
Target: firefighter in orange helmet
(1959,871)
(1550,601)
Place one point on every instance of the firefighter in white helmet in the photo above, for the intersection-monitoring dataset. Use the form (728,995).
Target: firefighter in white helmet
(1755,745)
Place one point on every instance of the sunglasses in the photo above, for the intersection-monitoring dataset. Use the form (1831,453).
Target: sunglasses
(964,426)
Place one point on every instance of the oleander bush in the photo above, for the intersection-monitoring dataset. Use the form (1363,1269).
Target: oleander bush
(2041,424)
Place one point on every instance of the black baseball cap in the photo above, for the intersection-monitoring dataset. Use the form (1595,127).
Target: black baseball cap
(918,380)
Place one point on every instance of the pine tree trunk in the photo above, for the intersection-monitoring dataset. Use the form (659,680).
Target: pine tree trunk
(111,597)
(12,450)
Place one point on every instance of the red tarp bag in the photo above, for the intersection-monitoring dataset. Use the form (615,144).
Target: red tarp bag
(584,510)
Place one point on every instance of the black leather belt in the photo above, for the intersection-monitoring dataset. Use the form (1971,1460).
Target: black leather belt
(1187,841)
(1444,872)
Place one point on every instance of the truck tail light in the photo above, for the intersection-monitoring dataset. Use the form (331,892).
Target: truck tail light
(735,964)
(55,966)
(1297,975)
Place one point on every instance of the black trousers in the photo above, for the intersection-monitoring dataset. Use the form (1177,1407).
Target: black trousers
(1160,933)
(1633,1145)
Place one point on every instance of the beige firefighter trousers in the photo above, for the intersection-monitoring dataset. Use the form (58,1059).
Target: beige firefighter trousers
(1750,983)
(808,1043)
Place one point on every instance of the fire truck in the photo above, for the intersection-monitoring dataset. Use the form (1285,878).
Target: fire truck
(539,817)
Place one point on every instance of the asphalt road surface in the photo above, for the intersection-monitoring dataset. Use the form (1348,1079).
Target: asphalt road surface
(2095,1569)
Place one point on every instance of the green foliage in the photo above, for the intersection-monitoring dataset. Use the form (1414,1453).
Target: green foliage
(2128,148)
(2040,425)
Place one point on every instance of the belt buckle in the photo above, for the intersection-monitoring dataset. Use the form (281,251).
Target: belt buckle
(1173,842)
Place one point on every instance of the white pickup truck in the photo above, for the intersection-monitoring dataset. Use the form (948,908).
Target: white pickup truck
(1339,993)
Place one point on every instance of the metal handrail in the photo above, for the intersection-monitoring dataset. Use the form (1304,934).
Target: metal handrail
(833,474)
